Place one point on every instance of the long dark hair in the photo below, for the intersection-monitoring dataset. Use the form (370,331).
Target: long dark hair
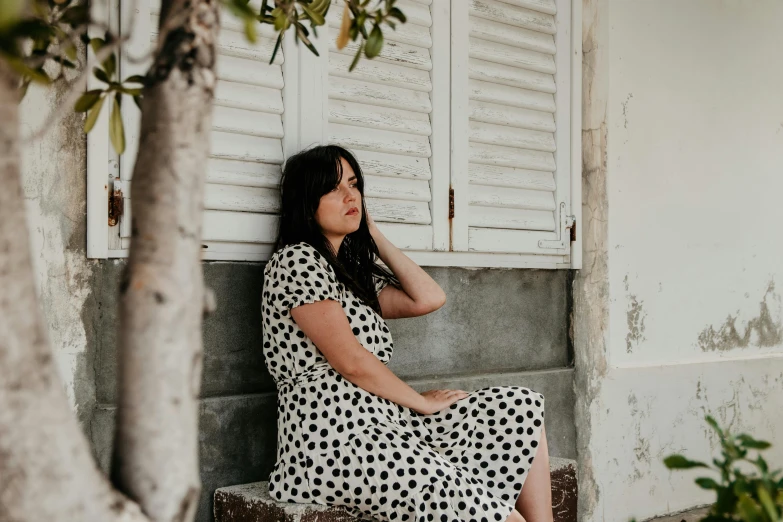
(307,176)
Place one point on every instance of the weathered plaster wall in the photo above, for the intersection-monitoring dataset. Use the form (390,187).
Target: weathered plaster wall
(53,172)
(678,311)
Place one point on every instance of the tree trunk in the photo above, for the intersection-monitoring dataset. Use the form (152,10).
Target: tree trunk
(155,457)
(46,468)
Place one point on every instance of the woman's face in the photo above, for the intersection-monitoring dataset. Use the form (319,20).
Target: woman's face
(340,211)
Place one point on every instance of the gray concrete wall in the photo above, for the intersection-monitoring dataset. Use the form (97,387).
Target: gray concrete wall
(499,327)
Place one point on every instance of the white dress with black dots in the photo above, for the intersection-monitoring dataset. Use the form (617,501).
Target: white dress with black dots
(338,444)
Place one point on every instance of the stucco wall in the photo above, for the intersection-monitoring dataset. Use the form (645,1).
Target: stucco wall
(678,310)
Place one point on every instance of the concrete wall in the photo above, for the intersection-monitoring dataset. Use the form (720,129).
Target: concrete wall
(678,310)
(499,327)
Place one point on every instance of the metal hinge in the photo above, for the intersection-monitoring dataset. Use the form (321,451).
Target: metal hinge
(116,203)
(567,223)
(451,203)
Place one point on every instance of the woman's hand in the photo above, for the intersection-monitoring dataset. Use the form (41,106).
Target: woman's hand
(437,400)
(371,225)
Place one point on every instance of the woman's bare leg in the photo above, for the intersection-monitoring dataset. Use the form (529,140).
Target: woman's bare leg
(535,500)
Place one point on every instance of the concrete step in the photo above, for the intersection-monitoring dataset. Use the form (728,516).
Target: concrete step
(252,503)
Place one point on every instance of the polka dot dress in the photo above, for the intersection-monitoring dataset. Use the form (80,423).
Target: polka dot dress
(338,444)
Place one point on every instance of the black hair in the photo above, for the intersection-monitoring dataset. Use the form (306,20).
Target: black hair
(307,176)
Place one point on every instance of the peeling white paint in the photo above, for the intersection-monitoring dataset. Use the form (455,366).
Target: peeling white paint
(54,189)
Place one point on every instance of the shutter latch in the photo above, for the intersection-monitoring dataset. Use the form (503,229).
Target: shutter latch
(567,226)
(116,203)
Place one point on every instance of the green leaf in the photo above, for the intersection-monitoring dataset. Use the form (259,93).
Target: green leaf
(137,101)
(374,43)
(92,116)
(35,75)
(76,15)
(356,58)
(711,421)
(10,12)
(100,74)
(136,78)
(315,17)
(87,100)
(97,44)
(707,483)
(680,462)
(750,511)
(116,129)
(766,500)
(64,62)
(277,47)
(399,15)
(726,501)
(132,91)
(110,65)
(749,442)
(250,30)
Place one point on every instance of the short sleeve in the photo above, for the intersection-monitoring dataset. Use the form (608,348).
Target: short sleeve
(299,274)
(380,283)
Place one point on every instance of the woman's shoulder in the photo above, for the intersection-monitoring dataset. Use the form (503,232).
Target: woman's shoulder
(297,253)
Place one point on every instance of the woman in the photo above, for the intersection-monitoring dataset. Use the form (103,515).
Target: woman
(350,432)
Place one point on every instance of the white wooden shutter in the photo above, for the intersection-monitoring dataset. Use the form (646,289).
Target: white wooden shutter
(511,98)
(387,113)
(241,194)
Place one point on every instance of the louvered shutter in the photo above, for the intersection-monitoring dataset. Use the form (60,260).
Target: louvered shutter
(511,120)
(383,112)
(241,197)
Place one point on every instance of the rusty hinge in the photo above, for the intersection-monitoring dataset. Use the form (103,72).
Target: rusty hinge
(451,203)
(116,204)
(573,230)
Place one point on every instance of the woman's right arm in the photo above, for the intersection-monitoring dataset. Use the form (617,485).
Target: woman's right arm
(326,324)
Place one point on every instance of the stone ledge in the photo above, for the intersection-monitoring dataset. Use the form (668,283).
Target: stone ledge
(252,503)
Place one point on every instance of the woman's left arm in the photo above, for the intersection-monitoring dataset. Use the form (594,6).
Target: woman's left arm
(420,294)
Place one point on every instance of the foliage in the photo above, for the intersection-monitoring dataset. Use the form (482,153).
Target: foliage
(746,489)
(36,32)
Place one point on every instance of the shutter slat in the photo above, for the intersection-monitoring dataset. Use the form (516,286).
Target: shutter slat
(512,116)
(415,12)
(511,35)
(380,73)
(544,6)
(398,211)
(412,34)
(392,165)
(232,43)
(485,196)
(241,199)
(243,173)
(246,148)
(508,240)
(362,115)
(513,56)
(511,96)
(512,76)
(242,227)
(238,121)
(512,15)
(516,219)
(511,177)
(409,237)
(248,97)
(378,95)
(511,157)
(397,188)
(239,70)
(379,140)
(392,52)
(491,134)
